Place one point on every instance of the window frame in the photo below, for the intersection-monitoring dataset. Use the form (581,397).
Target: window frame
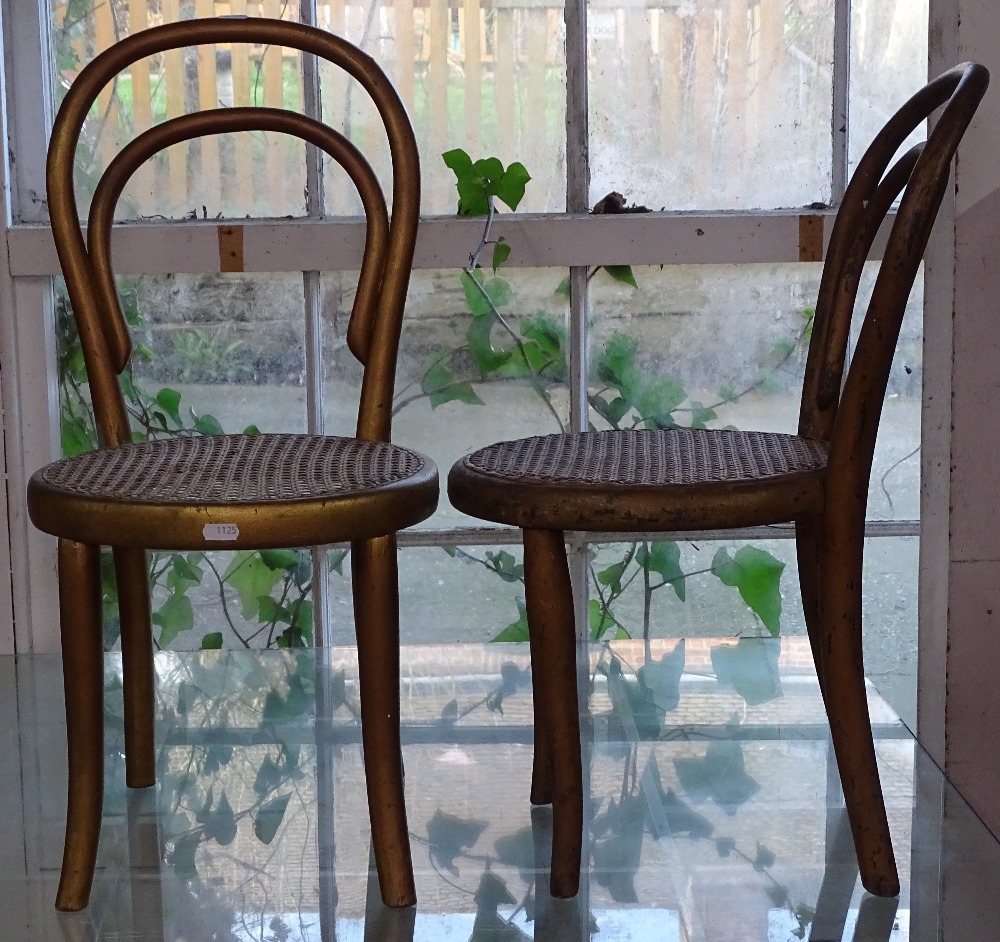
(575,240)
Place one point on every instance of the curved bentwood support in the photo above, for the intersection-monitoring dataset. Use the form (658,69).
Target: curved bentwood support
(360,490)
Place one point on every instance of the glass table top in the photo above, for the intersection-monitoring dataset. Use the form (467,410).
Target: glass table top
(713,805)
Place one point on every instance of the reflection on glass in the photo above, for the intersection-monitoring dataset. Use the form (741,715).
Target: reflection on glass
(712,804)
(694,102)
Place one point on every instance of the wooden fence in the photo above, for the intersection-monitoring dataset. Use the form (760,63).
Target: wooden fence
(678,83)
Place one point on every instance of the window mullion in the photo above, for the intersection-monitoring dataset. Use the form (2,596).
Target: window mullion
(841,85)
(312,294)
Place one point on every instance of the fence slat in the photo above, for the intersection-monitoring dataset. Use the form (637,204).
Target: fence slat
(242,157)
(736,99)
(107,102)
(404,51)
(672,131)
(503,82)
(208,99)
(704,100)
(472,60)
(173,67)
(142,108)
(437,97)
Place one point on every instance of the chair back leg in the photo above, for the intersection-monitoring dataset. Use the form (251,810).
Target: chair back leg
(549,604)
(138,670)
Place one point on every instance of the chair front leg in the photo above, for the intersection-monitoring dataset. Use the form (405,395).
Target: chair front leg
(807,548)
(137,666)
(376,607)
(83,682)
(549,603)
(841,654)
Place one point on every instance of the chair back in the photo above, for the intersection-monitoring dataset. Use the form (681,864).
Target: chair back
(848,415)
(376,316)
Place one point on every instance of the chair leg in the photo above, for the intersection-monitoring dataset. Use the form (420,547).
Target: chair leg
(807,551)
(376,606)
(137,666)
(841,564)
(549,602)
(83,681)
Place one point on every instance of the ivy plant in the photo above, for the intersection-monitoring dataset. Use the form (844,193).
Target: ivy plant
(534,349)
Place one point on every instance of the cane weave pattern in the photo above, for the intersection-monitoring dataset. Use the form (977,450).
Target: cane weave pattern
(237,468)
(652,457)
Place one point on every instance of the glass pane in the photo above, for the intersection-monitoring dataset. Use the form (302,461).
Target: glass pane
(725,345)
(888,64)
(229,175)
(692,103)
(448,595)
(489,78)
(463,380)
(209,357)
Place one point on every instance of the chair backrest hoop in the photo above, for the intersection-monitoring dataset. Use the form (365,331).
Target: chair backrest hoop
(377,316)
(922,176)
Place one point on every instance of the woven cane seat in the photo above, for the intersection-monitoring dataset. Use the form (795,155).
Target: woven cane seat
(215,477)
(652,474)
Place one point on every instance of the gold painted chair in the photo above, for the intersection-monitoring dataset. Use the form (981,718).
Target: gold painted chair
(678,479)
(265,491)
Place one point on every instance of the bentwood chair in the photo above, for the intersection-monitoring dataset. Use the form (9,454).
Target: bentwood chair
(260,491)
(679,479)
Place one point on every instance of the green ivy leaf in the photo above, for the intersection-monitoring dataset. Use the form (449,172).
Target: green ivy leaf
(728,394)
(270,611)
(490,170)
(612,576)
(169,400)
(269,817)
(251,430)
(562,289)
(182,575)
(621,273)
(506,566)
(207,425)
(664,558)
(283,559)
(182,857)
(483,296)
(701,416)
(479,337)
(509,188)
(501,252)
(252,578)
(601,620)
(212,641)
(174,616)
(473,199)
(517,630)
(757,576)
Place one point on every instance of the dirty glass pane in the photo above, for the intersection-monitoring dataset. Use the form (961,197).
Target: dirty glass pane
(228,175)
(463,380)
(694,104)
(486,77)
(725,345)
(888,64)
(210,356)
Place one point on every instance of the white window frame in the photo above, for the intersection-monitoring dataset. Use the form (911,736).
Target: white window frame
(575,240)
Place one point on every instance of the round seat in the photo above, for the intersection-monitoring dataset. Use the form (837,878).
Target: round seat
(639,479)
(251,491)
